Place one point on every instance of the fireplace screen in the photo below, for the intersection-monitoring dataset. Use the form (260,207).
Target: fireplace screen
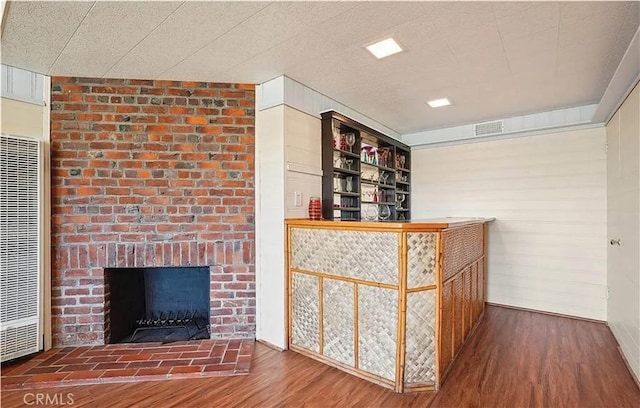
(159,304)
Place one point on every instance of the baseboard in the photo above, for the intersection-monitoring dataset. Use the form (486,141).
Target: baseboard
(270,345)
(584,319)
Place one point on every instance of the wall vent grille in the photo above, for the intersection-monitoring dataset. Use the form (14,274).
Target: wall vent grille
(20,161)
(488,128)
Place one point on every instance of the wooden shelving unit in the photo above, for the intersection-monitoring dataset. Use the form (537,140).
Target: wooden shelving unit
(366,174)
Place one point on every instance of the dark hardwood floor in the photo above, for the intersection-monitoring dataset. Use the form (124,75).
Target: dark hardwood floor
(514,359)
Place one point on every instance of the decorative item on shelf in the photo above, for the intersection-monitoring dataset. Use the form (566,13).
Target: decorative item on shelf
(315,209)
(337,184)
(384,212)
(349,185)
(349,163)
(371,212)
(375,195)
(350,138)
(383,177)
(367,154)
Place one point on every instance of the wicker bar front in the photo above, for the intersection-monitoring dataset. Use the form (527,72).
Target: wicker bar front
(391,303)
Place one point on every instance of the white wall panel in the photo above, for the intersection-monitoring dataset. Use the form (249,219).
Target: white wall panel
(303,148)
(623,182)
(270,277)
(548,193)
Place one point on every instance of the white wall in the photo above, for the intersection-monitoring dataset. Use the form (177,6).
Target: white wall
(303,157)
(623,312)
(270,283)
(548,193)
(288,157)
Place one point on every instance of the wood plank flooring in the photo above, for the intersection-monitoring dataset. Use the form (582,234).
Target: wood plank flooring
(514,359)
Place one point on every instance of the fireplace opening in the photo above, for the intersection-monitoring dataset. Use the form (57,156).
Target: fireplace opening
(159,304)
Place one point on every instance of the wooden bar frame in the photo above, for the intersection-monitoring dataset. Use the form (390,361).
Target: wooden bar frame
(470,317)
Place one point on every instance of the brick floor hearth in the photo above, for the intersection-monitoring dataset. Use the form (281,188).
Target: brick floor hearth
(130,362)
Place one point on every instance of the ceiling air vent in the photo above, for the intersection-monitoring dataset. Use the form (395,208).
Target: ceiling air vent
(488,128)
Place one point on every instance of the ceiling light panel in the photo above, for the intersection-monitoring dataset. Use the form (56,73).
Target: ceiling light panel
(384,48)
(439,103)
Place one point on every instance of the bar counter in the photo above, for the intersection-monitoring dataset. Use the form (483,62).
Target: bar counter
(390,302)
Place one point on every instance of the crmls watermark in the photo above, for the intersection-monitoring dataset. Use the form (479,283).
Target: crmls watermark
(45,398)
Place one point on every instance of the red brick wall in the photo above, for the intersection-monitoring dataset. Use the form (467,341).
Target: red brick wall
(150,173)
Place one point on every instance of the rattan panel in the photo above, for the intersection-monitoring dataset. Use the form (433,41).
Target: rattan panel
(460,247)
(474,293)
(305,305)
(458,304)
(370,256)
(446,327)
(338,323)
(421,259)
(377,330)
(420,357)
(482,281)
(466,323)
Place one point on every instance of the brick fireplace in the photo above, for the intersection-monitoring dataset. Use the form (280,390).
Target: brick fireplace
(150,174)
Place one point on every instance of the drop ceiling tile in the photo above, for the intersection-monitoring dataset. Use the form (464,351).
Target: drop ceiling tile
(189,28)
(543,41)
(108,32)
(284,20)
(581,56)
(530,21)
(35,32)
(591,28)
(461,41)
(461,16)
(502,9)
(584,9)
(229,50)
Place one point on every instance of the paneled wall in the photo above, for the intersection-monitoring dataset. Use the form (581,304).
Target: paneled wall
(548,193)
(623,218)
(288,153)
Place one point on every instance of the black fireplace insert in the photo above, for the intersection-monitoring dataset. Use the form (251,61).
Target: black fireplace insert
(159,304)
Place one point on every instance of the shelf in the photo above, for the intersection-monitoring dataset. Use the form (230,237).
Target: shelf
(403,170)
(402,182)
(347,153)
(345,164)
(378,166)
(375,183)
(346,171)
(402,209)
(344,193)
(392,203)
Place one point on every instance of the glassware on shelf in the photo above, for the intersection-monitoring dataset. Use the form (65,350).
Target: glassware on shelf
(371,212)
(383,177)
(403,159)
(384,212)
(350,138)
(349,163)
(400,199)
(349,185)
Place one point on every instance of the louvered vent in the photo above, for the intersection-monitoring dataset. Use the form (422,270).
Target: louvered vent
(488,128)
(19,246)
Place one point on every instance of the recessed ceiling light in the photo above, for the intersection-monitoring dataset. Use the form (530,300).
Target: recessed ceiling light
(384,48)
(439,103)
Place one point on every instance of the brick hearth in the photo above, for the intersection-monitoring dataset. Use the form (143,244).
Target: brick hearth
(130,362)
(148,174)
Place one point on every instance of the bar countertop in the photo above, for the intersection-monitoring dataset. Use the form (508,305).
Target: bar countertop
(419,224)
